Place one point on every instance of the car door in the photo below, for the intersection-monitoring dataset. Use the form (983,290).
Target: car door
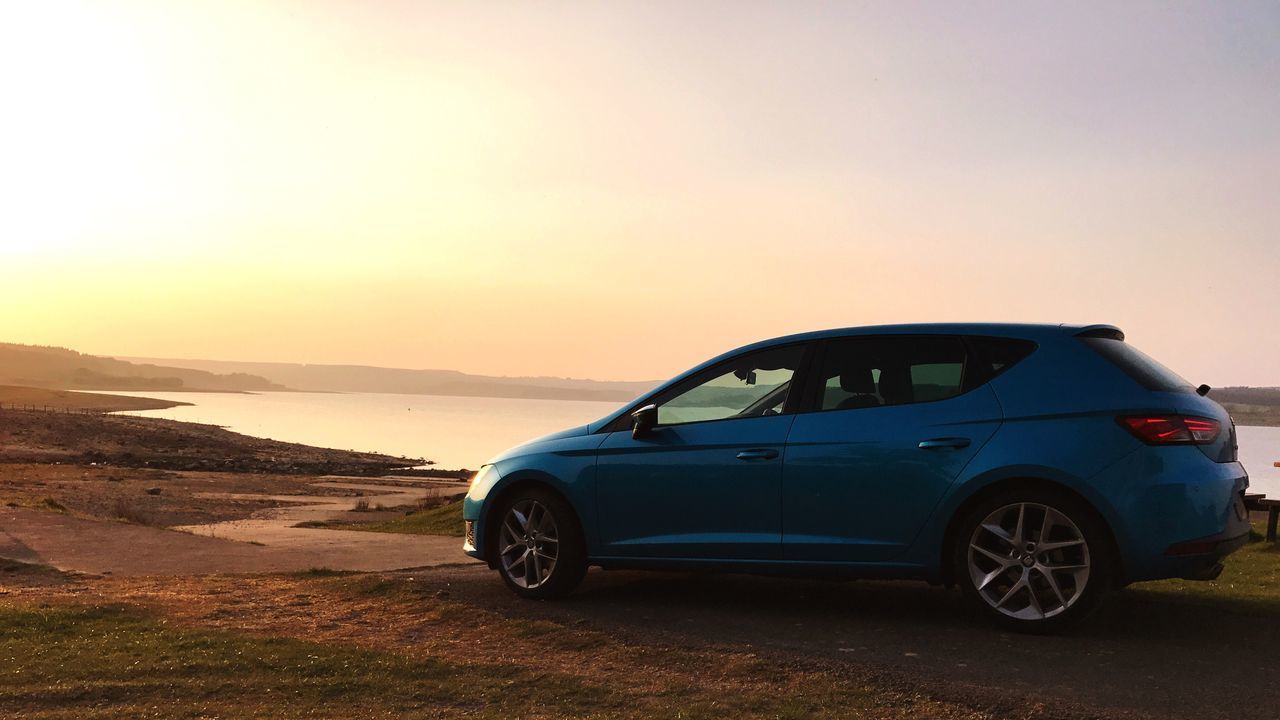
(706,482)
(894,421)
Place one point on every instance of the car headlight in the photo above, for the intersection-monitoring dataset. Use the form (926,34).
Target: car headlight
(484,479)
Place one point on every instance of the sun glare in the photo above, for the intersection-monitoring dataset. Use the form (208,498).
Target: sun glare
(81,126)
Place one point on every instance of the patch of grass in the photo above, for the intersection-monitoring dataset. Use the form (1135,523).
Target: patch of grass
(360,506)
(380,587)
(320,572)
(715,685)
(1250,582)
(553,634)
(443,520)
(34,502)
(450,659)
(116,661)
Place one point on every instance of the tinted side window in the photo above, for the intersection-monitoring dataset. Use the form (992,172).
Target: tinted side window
(870,372)
(1138,365)
(998,354)
(753,385)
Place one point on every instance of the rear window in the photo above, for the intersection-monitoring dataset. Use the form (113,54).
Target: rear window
(1138,365)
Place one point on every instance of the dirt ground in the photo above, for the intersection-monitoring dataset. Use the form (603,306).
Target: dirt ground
(151,496)
(1147,654)
(1139,658)
(125,521)
(98,548)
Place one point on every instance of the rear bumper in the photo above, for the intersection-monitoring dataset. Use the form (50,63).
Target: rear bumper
(1202,558)
(1177,514)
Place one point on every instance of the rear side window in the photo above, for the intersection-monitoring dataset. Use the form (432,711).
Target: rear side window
(1138,365)
(997,354)
(896,370)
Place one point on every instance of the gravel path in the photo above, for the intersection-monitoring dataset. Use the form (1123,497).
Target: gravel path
(265,543)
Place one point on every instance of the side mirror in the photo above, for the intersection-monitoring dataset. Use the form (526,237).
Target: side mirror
(643,421)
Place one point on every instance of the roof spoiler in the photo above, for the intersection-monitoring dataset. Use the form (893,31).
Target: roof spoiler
(1109,332)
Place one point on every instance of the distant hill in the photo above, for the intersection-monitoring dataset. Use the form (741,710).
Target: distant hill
(1250,405)
(55,367)
(364,378)
(1247,395)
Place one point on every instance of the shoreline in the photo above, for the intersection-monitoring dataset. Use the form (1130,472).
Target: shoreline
(101,439)
(1253,415)
(52,400)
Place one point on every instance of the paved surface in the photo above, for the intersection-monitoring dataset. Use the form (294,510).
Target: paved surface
(276,527)
(266,543)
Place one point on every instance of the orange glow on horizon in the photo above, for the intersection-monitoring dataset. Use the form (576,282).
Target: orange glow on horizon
(619,191)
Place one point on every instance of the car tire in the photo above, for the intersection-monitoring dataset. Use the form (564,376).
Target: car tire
(538,548)
(1033,559)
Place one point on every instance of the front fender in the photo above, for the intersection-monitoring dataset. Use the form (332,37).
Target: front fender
(567,466)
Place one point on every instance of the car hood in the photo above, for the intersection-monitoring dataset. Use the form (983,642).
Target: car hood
(525,447)
(567,433)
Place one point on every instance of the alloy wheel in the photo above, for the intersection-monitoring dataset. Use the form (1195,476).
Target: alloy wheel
(1028,561)
(529,544)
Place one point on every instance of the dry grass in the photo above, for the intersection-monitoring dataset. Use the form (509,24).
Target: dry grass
(320,644)
(440,520)
(1250,582)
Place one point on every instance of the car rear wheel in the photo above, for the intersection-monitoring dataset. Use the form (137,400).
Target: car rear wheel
(1033,560)
(539,546)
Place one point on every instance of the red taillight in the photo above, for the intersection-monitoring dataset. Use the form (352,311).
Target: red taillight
(1203,430)
(1172,429)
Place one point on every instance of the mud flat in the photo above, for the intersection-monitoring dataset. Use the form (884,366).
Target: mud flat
(50,437)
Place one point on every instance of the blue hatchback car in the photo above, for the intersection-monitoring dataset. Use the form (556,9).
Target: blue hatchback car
(1035,466)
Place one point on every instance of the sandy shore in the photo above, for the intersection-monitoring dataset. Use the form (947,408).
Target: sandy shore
(44,398)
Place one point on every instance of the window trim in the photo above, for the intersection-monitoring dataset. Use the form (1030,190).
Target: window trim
(790,407)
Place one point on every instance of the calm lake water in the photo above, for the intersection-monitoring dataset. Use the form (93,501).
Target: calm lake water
(462,432)
(455,432)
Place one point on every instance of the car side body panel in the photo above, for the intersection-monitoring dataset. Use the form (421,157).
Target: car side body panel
(1051,418)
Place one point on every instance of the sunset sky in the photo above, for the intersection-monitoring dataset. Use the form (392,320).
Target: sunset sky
(620,190)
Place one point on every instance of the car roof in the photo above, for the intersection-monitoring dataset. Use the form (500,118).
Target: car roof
(1025,331)
(1028,331)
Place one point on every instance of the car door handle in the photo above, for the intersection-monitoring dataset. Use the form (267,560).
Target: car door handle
(949,443)
(757,455)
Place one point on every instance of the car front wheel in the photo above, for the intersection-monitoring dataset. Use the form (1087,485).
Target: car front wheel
(540,549)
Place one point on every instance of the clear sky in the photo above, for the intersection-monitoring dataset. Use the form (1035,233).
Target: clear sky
(619,190)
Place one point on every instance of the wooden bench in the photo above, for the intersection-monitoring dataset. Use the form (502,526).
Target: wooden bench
(1271,507)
